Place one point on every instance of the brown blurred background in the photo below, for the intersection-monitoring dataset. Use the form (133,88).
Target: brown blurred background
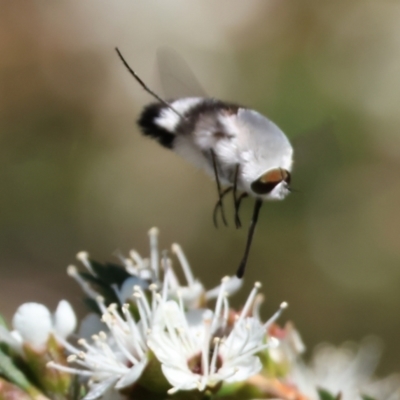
(76,174)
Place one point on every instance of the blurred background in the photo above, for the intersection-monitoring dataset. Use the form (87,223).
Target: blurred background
(77,175)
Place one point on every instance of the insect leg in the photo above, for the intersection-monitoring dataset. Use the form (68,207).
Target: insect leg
(238,202)
(242,265)
(214,162)
(218,205)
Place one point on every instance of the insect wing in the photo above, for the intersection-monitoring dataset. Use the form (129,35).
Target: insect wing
(177,79)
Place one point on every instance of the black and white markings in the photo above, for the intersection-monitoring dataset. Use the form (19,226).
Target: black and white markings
(243,150)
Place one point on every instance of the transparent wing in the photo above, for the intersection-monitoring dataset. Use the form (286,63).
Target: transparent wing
(177,79)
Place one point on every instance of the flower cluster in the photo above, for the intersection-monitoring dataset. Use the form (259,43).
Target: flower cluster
(149,336)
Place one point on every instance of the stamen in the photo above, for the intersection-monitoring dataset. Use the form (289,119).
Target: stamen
(170,328)
(177,250)
(136,337)
(244,340)
(213,366)
(141,308)
(136,258)
(153,234)
(218,305)
(232,286)
(250,301)
(113,310)
(143,298)
(153,289)
(282,307)
(257,305)
(52,364)
(225,314)
(72,271)
(167,274)
(71,358)
(103,336)
(173,390)
(83,257)
(172,279)
(68,346)
(205,351)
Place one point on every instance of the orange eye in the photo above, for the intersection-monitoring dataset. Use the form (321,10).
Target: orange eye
(266,183)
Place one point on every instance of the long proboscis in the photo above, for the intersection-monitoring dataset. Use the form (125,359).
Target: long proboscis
(254,219)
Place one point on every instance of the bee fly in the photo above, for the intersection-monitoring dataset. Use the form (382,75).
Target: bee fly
(245,151)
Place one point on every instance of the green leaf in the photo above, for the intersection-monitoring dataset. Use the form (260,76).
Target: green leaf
(110,273)
(12,373)
(2,321)
(101,287)
(325,395)
(77,390)
(92,305)
(365,397)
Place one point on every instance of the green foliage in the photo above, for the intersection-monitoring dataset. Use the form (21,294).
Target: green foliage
(11,372)
(109,273)
(2,321)
(325,395)
(105,279)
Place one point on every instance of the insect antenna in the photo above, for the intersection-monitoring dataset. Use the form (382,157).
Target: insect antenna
(144,86)
(237,200)
(242,265)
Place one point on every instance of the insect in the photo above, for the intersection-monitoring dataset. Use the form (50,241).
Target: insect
(246,152)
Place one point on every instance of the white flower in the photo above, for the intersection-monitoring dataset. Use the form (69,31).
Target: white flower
(290,346)
(118,357)
(145,268)
(210,347)
(33,324)
(348,370)
(193,294)
(145,271)
(199,348)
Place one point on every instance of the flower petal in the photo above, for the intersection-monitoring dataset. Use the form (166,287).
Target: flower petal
(64,319)
(241,371)
(133,375)
(25,321)
(184,380)
(98,389)
(231,286)
(10,339)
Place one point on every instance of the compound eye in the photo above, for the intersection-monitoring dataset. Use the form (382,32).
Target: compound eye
(267,182)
